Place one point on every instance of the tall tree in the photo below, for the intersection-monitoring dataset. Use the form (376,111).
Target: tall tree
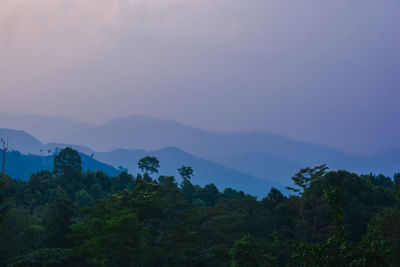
(67,163)
(305,176)
(4,142)
(57,222)
(3,207)
(149,164)
(186,172)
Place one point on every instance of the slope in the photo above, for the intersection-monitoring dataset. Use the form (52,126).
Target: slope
(21,166)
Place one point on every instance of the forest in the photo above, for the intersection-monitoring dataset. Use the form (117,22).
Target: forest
(71,217)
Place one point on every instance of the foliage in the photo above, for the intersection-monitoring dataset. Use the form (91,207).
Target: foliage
(305,176)
(46,257)
(247,252)
(112,239)
(149,164)
(67,163)
(77,218)
(186,172)
(3,206)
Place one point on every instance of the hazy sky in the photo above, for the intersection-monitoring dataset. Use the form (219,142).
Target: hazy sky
(325,71)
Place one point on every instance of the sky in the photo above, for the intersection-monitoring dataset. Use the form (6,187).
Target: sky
(320,71)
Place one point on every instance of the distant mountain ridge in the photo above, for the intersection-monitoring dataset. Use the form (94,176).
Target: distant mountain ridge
(21,141)
(267,156)
(46,129)
(27,144)
(20,166)
(263,155)
(206,172)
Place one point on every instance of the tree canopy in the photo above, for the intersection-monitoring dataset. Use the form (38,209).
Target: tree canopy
(67,163)
(86,218)
(149,164)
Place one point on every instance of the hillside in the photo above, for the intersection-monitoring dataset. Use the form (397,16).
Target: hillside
(22,166)
(46,129)
(205,171)
(267,156)
(21,141)
(263,155)
(27,144)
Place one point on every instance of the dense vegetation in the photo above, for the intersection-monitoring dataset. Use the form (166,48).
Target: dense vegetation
(76,218)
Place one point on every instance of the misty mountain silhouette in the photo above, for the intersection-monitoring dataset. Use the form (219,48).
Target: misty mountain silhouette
(21,141)
(46,129)
(20,166)
(206,172)
(267,156)
(264,155)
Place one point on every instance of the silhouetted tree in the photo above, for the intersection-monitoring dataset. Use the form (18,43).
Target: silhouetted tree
(67,163)
(168,181)
(396,178)
(186,172)
(4,142)
(57,222)
(305,176)
(149,164)
(3,207)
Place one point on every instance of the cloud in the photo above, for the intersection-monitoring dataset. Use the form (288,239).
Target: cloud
(305,69)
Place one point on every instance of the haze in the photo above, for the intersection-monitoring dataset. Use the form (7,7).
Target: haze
(325,72)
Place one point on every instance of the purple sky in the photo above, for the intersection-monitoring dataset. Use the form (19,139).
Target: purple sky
(326,72)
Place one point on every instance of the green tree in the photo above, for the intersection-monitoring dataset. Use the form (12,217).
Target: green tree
(109,240)
(396,178)
(3,206)
(83,197)
(168,181)
(57,222)
(305,176)
(58,193)
(149,164)
(210,194)
(273,198)
(96,192)
(186,172)
(44,257)
(247,252)
(335,250)
(381,244)
(20,232)
(123,181)
(67,163)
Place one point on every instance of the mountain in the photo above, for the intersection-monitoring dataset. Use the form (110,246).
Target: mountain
(139,132)
(40,156)
(172,158)
(205,171)
(20,166)
(389,160)
(262,165)
(27,144)
(21,141)
(263,155)
(47,129)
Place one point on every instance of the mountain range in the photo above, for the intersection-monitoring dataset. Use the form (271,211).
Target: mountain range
(46,129)
(268,156)
(22,165)
(263,156)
